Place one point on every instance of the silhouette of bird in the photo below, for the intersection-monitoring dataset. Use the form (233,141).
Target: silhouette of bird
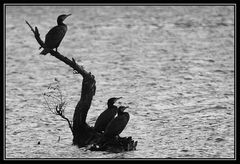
(116,126)
(54,37)
(106,116)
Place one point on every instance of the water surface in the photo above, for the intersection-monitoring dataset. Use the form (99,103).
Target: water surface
(174,66)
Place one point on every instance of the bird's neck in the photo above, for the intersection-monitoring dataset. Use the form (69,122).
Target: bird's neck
(111,106)
(120,113)
(60,23)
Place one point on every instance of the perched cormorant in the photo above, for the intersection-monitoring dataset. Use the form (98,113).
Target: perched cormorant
(116,126)
(106,116)
(54,37)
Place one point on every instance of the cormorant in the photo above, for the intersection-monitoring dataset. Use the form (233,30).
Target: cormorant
(54,37)
(116,126)
(106,116)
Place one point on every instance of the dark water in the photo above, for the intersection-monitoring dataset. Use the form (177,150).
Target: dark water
(174,66)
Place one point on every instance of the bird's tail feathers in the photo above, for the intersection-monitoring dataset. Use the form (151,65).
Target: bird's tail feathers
(44,52)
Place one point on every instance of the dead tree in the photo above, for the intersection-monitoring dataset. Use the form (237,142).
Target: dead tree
(83,134)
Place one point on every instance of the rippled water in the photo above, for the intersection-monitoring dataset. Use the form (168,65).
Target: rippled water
(174,66)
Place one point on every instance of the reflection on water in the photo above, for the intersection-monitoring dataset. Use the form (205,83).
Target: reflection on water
(173,65)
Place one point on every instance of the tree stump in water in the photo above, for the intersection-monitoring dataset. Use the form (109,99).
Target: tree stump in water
(83,134)
(116,145)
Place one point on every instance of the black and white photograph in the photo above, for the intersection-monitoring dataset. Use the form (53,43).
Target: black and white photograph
(119,81)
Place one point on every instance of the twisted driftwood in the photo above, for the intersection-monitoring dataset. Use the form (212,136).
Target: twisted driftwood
(83,134)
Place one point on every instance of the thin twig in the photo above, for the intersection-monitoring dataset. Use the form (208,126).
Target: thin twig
(30,26)
(69,123)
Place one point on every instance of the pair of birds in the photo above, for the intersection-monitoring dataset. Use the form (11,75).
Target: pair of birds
(110,125)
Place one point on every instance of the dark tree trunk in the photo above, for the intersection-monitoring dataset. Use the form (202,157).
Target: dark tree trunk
(83,134)
(81,131)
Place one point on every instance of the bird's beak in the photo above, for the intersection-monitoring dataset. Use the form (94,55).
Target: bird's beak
(124,108)
(117,99)
(67,16)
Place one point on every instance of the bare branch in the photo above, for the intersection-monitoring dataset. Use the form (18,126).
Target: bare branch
(56,54)
(81,130)
(37,35)
(54,101)
(30,26)
(69,123)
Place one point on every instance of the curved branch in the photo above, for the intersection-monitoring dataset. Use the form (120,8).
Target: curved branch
(56,54)
(80,129)
(69,123)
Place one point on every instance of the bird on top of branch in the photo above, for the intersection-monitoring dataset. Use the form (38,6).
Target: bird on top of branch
(54,37)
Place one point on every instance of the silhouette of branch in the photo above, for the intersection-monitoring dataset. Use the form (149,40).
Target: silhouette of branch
(37,35)
(72,63)
(81,130)
(54,101)
(60,112)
